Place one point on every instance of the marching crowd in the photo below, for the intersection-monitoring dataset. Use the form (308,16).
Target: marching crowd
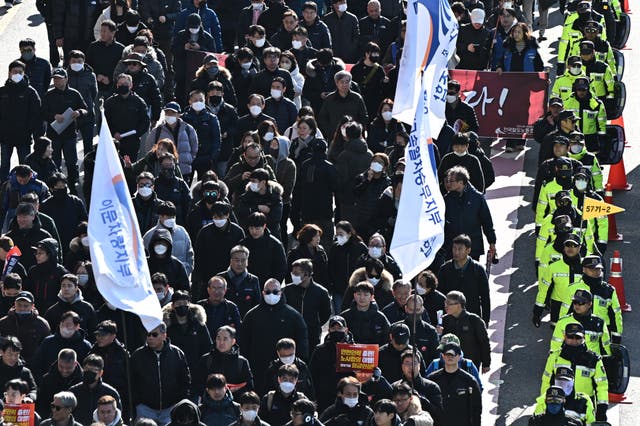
(237,121)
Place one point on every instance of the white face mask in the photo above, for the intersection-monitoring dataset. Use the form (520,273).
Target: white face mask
(376,167)
(451,99)
(387,115)
(375,252)
(246,65)
(272,299)
(194,30)
(581,185)
(67,332)
(460,154)
(575,70)
(296,279)
(160,249)
(374,281)
(17,78)
(249,415)
(198,106)
(254,186)
(145,191)
(575,148)
(350,402)
(76,67)
(255,110)
(296,44)
(341,239)
(219,223)
(287,387)
(132,29)
(83,279)
(169,223)
(421,290)
(342,7)
(260,42)
(566,385)
(171,120)
(268,136)
(85,241)
(276,93)
(287,360)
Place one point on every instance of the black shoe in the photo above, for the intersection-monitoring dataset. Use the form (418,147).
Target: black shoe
(541,38)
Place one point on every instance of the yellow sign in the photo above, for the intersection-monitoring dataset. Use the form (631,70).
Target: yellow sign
(594,208)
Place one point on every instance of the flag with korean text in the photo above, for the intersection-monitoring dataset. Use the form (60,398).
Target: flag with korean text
(117,251)
(419,230)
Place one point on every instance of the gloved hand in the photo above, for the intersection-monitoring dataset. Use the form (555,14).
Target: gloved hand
(537,315)
(601,412)
(560,67)
(616,340)
(602,247)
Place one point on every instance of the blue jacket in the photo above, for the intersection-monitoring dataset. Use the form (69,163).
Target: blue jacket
(531,61)
(498,46)
(210,23)
(207,127)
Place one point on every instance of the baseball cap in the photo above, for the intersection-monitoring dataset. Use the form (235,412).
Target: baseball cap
(25,295)
(555,101)
(574,60)
(572,239)
(555,394)
(592,262)
(451,348)
(477,16)
(562,220)
(582,296)
(586,46)
(583,6)
(564,373)
(134,58)
(337,319)
(567,114)
(581,83)
(59,72)
(562,140)
(400,333)
(172,106)
(576,137)
(106,329)
(563,196)
(574,329)
(448,338)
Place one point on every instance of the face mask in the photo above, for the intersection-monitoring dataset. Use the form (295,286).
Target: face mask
(220,222)
(581,185)
(272,299)
(460,154)
(342,8)
(256,5)
(17,78)
(575,70)
(76,67)
(59,193)
(268,136)
(554,408)
(83,279)
(342,239)
(170,120)
(145,191)
(182,311)
(566,385)
(122,90)
(67,332)
(376,167)
(296,279)
(374,281)
(337,336)
(169,223)
(374,58)
(255,110)
(198,106)
(27,56)
(286,360)
(246,65)
(275,153)
(213,71)
(296,44)
(387,115)
(89,377)
(160,249)
(22,314)
(167,173)
(375,252)
(254,186)
(215,99)
(451,99)
(260,42)
(575,148)
(287,387)
(132,29)
(276,94)
(421,290)
(194,30)
(350,402)
(160,295)
(249,415)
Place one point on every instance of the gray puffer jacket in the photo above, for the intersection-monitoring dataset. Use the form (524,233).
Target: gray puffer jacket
(186,142)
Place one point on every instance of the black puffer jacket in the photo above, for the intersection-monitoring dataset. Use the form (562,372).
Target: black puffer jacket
(370,326)
(339,414)
(267,257)
(43,280)
(366,194)
(115,360)
(342,262)
(193,337)
(234,366)
(168,265)
(48,351)
(52,383)
(20,117)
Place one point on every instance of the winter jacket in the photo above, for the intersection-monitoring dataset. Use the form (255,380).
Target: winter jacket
(370,326)
(261,83)
(370,80)
(24,239)
(207,127)
(285,169)
(44,167)
(181,244)
(12,192)
(384,216)
(304,383)
(429,393)
(367,192)
(426,339)
(319,34)
(342,263)
(528,60)
(19,371)
(228,120)
(103,59)
(323,370)
(84,81)
(145,86)
(71,20)
(268,259)
(146,211)
(126,37)
(318,257)
(210,24)
(382,290)
(382,135)
(52,383)
(224,313)
(48,351)
(38,70)
(50,422)
(20,117)
(320,80)
(222,412)
(57,102)
(212,253)
(313,303)
(169,264)
(479,59)
(464,112)
(30,329)
(79,306)
(317,183)
(115,358)
(202,80)
(88,397)
(354,160)
(244,290)
(159,379)
(203,38)
(339,414)
(275,407)
(234,366)
(234,180)
(335,107)
(152,64)
(471,280)
(126,114)
(67,211)
(184,138)
(175,190)
(248,122)
(43,280)
(345,35)
(126,322)
(460,407)
(469,162)
(283,110)
(472,332)
(170,9)
(272,198)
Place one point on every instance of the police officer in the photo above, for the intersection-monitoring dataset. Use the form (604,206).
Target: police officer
(591,112)
(583,186)
(555,412)
(563,86)
(590,377)
(577,151)
(572,31)
(576,404)
(552,250)
(563,180)
(592,31)
(547,169)
(566,124)
(599,73)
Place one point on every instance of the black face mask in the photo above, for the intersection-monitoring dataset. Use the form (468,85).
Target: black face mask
(167,173)
(374,58)
(274,152)
(123,90)
(337,336)
(59,193)
(182,311)
(215,99)
(209,199)
(89,377)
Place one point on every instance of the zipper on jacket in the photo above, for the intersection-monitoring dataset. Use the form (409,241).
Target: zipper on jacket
(159,379)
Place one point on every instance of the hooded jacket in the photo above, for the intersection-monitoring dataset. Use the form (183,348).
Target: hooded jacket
(180,244)
(272,198)
(382,294)
(43,280)
(116,422)
(222,412)
(20,117)
(182,409)
(169,264)
(284,168)
(78,305)
(234,366)
(192,337)
(184,138)
(30,329)
(267,257)
(353,160)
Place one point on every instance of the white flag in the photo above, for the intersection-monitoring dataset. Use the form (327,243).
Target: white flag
(117,252)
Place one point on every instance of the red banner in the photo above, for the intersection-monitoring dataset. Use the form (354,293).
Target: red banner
(507,105)
(356,357)
(19,415)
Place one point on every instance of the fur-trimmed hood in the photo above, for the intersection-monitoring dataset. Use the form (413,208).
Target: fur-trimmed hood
(196,312)
(272,186)
(386,279)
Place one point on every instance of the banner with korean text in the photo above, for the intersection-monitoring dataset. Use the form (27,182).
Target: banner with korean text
(19,414)
(506,105)
(117,252)
(356,357)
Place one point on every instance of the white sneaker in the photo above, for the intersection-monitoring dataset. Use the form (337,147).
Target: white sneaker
(8,5)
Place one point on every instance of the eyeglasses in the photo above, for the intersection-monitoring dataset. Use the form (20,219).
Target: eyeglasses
(211,194)
(153,334)
(276,292)
(57,407)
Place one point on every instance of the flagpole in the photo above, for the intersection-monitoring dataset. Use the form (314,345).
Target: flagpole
(127,367)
